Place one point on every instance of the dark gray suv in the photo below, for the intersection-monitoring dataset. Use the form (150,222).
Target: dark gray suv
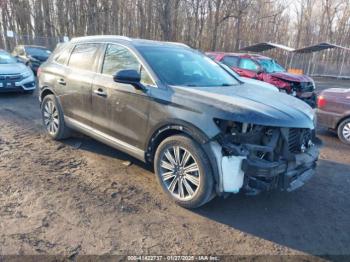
(205,132)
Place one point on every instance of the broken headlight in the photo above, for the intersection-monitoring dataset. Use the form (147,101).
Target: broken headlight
(245,138)
(241,133)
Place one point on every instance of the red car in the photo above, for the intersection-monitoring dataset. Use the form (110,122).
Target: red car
(334,111)
(268,70)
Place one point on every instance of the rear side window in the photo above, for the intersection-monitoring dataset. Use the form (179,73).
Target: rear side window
(248,64)
(230,61)
(83,56)
(62,56)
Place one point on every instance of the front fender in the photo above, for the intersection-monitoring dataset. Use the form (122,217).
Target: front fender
(176,126)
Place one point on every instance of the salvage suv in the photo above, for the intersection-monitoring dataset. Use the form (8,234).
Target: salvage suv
(205,132)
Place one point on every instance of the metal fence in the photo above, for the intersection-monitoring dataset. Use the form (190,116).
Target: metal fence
(8,43)
(331,63)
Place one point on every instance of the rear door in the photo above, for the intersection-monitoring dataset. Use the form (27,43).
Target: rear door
(76,83)
(121,110)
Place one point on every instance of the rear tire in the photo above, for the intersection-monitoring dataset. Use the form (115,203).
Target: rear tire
(184,171)
(344,131)
(53,118)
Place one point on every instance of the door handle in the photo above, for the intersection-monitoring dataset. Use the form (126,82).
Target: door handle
(61,82)
(100,92)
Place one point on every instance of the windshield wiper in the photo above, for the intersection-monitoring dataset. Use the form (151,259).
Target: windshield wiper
(226,84)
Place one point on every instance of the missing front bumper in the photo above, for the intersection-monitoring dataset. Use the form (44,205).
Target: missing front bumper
(261,175)
(295,182)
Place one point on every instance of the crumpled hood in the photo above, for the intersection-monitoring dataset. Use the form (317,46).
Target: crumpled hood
(16,68)
(291,77)
(249,104)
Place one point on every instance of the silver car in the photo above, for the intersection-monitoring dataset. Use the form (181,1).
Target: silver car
(15,76)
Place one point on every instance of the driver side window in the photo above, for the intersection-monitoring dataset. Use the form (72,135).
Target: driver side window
(230,61)
(248,64)
(120,58)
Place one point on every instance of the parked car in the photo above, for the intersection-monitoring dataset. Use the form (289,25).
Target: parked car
(14,76)
(250,81)
(334,111)
(31,55)
(205,132)
(268,70)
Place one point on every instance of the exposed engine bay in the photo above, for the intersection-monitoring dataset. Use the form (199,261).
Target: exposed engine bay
(270,157)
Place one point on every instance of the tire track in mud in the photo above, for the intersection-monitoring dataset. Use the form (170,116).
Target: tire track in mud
(35,168)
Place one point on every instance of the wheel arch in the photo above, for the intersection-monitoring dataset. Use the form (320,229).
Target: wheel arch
(174,127)
(347,116)
(177,127)
(46,91)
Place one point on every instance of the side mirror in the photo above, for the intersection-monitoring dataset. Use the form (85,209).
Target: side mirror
(128,76)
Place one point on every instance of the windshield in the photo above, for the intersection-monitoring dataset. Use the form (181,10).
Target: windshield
(271,66)
(37,51)
(6,58)
(185,67)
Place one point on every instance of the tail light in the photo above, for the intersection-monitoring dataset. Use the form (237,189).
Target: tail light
(321,101)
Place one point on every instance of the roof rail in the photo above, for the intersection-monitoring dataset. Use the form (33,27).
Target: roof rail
(92,37)
(177,43)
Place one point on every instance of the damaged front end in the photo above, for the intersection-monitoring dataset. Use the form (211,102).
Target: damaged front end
(254,158)
(304,91)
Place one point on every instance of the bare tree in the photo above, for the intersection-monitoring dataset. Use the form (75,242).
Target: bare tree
(205,24)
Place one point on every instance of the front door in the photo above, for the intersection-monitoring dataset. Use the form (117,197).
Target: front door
(247,68)
(121,110)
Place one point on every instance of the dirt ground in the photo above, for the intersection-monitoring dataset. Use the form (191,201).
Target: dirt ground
(82,197)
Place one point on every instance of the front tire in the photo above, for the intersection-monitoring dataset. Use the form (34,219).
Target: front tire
(184,171)
(344,131)
(53,118)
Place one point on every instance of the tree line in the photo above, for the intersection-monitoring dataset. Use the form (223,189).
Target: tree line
(204,24)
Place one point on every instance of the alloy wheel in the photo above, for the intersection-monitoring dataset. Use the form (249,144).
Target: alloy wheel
(51,118)
(346,131)
(180,172)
